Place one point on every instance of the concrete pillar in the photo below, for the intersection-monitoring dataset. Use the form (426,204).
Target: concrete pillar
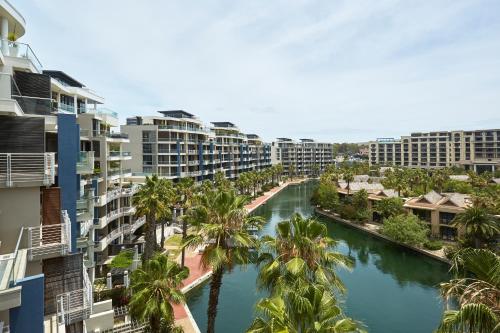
(435,223)
(126,280)
(4,34)
(109,283)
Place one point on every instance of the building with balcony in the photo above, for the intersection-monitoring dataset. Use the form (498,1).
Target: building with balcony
(477,150)
(48,189)
(305,157)
(178,144)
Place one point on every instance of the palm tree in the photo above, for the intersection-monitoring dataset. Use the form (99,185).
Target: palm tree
(222,227)
(152,200)
(300,245)
(185,189)
(348,178)
(279,171)
(478,295)
(303,307)
(291,171)
(315,170)
(478,224)
(155,286)
(439,178)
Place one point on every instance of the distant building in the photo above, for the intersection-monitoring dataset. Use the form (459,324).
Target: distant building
(302,155)
(477,150)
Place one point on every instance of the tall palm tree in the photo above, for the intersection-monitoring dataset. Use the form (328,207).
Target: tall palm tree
(152,200)
(478,224)
(155,286)
(222,228)
(348,177)
(279,170)
(476,288)
(302,308)
(185,189)
(300,245)
(291,171)
(315,170)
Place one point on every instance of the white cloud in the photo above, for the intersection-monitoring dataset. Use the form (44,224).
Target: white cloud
(331,70)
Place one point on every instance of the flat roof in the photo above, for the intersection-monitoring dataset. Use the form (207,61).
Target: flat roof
(177,114)
(222,124)
(283,139)
(252,136)
(307,140)
(60,75)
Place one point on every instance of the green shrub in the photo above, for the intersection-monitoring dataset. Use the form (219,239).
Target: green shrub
(406,229)
(433,245)
(123,260)
(449,251)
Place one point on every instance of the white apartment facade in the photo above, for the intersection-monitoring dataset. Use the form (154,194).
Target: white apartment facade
(178,144)
(303,156)
(477,150)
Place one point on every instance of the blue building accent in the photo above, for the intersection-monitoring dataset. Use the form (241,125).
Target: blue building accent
(29,316)
(200,156)
(178,158)
(68,147)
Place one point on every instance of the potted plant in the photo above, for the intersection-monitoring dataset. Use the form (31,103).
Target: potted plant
(13,47)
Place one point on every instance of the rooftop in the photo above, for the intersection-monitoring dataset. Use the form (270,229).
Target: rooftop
(307,140)
(223,124)
(177,114)
(284,139)
(64,78)
(253,136)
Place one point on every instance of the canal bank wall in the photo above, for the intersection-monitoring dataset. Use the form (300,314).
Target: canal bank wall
(375,233)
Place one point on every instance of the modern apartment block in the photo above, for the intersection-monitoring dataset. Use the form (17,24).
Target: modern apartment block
(58,162)
(177,144)
(302,155)
(477,150)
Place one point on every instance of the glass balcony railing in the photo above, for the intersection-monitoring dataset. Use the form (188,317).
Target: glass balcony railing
(85,164)
(21,51)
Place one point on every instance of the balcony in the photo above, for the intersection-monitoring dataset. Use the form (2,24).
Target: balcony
(24,170)
(49,241)
(22,52)
(85,207)
(117,155)
(85,164)
(131,228)
(129,191)
(76,305)
(106,240)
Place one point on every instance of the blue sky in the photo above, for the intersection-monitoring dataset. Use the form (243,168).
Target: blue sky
(329,70)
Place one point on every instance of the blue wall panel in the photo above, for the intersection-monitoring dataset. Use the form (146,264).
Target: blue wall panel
(68,138)
(28,318)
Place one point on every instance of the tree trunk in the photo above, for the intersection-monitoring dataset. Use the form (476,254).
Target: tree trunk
(149,247)
(214,299)
(162,242)
(184,234)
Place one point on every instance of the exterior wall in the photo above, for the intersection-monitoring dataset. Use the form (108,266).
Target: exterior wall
(19,207)
(29,316)
(303,155)
(478,150)
(134,146)
(68,148)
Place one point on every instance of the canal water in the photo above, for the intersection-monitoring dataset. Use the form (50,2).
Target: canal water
(390,289)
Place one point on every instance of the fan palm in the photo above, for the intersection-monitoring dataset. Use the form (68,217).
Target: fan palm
(152,200)
(302,308)
(155,286)
(301,246)
(222,227)
(478,295)
(478,224)
(348,177)
(185,193)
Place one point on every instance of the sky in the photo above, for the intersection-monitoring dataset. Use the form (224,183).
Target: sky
(335,71)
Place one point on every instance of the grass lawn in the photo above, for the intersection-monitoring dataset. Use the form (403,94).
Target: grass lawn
(174,240)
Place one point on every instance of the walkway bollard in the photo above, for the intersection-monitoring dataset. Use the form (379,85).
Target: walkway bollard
(109,283)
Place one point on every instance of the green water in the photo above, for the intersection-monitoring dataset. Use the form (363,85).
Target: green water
(390,289)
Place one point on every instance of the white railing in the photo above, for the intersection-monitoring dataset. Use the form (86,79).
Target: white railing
(127,191)
(131,228)
(85,164)
(51,240)
(24,169)
(113,194)
(75,305)
(85,227)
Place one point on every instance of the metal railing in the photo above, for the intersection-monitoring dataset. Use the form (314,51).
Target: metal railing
(21,50)
(24,169)
(46,241)
(75,305)
(131,228)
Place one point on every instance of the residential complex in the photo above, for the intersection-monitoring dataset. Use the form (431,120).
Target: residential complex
(63,208)
(177,144)
(477,150)
(302,156)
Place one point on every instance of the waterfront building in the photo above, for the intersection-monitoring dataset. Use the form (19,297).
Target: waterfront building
(177,144)
(57,161)
(302,155)
(477,150)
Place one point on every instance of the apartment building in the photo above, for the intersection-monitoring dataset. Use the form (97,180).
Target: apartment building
(56,157)
(304,156)
(477,150)
(177,144)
